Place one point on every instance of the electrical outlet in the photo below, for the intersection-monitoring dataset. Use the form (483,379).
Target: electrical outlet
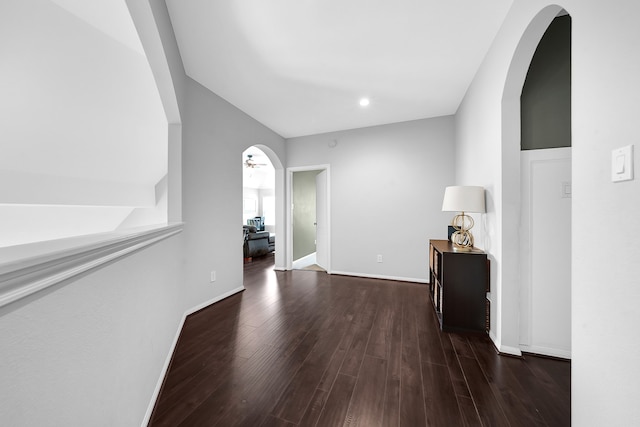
(379,258)
(213,276)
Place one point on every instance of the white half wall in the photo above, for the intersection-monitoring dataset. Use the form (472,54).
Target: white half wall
(387,184)
(89,352)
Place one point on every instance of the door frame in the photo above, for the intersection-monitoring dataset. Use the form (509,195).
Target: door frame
(289,211)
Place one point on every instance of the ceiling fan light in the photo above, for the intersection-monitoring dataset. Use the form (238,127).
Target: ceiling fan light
(251,163)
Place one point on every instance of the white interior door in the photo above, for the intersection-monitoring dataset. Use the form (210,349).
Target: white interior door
(322,215)
(545,326)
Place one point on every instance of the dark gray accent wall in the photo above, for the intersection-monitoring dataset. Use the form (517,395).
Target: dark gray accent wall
(546,94)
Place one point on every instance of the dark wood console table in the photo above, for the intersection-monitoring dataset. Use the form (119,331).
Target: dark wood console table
(459,282)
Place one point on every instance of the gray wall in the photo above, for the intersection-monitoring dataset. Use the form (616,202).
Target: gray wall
(304,213)
(92,352)
(215,134)
(605,68)
(74,353)
(385,186)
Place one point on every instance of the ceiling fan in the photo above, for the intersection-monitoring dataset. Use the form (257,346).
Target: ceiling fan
(250,163)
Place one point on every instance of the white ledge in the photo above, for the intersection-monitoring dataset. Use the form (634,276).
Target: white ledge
(27,269)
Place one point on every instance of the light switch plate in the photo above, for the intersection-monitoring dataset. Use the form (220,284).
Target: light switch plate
(622,164)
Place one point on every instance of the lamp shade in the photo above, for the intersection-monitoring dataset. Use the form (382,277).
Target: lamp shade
(463,199)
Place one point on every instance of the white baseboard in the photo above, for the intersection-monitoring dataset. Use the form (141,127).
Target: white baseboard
(214,300)
(504,349)
(514,351)
(547,351)
(167,362)
(377,276)
(493,338)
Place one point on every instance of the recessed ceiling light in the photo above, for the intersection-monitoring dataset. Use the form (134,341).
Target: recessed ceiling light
(364,102)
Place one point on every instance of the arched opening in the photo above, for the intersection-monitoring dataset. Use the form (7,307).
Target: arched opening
(545,295)
(263,183)
(511,315)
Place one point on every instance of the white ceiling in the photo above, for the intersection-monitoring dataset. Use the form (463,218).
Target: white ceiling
(301,66)
(109,16)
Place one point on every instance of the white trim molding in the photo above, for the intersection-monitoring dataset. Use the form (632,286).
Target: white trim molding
(504,349)
(382,277)
(214,300)
(547,351)
(289,211)
(53,262)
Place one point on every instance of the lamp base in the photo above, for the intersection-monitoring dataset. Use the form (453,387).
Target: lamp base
(462,238)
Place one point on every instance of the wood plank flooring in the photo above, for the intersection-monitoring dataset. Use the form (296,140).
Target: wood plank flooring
(303,348)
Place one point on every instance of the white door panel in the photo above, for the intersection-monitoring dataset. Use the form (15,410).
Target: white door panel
(322,231)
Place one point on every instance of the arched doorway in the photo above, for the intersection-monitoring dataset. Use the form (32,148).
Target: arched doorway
(263,194)
(515,312)
(545,288)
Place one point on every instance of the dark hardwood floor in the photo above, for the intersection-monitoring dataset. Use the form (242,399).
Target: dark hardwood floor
(303,348)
